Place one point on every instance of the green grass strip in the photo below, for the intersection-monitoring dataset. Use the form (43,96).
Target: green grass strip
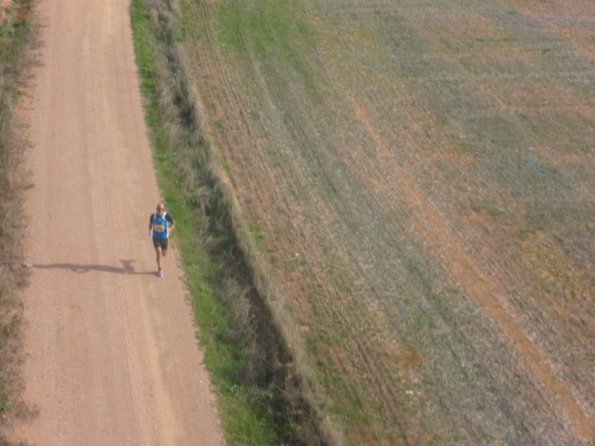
(244,420)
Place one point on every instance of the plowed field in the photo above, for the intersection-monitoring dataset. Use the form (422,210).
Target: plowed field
(418,179)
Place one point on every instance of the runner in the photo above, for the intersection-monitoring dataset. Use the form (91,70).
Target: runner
(161,223)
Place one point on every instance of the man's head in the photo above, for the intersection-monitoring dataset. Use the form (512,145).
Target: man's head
(160,208)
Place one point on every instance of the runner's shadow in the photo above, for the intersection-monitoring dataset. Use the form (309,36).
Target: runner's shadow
(126,268)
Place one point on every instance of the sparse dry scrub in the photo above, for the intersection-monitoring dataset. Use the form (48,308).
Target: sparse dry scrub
(15,34)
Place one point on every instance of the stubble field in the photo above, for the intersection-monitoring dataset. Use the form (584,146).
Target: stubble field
(418,181)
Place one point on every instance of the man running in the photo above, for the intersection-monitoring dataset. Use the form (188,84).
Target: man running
(161,223)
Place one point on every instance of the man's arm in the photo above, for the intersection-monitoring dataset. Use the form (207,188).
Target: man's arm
(150,224)
(171,221)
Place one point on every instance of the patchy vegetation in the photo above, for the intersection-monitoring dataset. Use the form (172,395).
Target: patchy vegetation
(262,400)
(417,183)
(15,34)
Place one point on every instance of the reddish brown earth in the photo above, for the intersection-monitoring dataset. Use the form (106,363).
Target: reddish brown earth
(110,350)
(3,5)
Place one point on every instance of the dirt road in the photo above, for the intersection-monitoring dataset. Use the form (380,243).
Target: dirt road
(111,357)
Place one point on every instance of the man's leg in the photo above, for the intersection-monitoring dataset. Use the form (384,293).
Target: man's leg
(158,252)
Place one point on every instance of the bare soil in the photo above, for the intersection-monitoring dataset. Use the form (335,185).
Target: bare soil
(4,4)
(110,355)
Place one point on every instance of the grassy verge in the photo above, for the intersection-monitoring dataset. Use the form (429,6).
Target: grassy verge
(260,398)
(15,35)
